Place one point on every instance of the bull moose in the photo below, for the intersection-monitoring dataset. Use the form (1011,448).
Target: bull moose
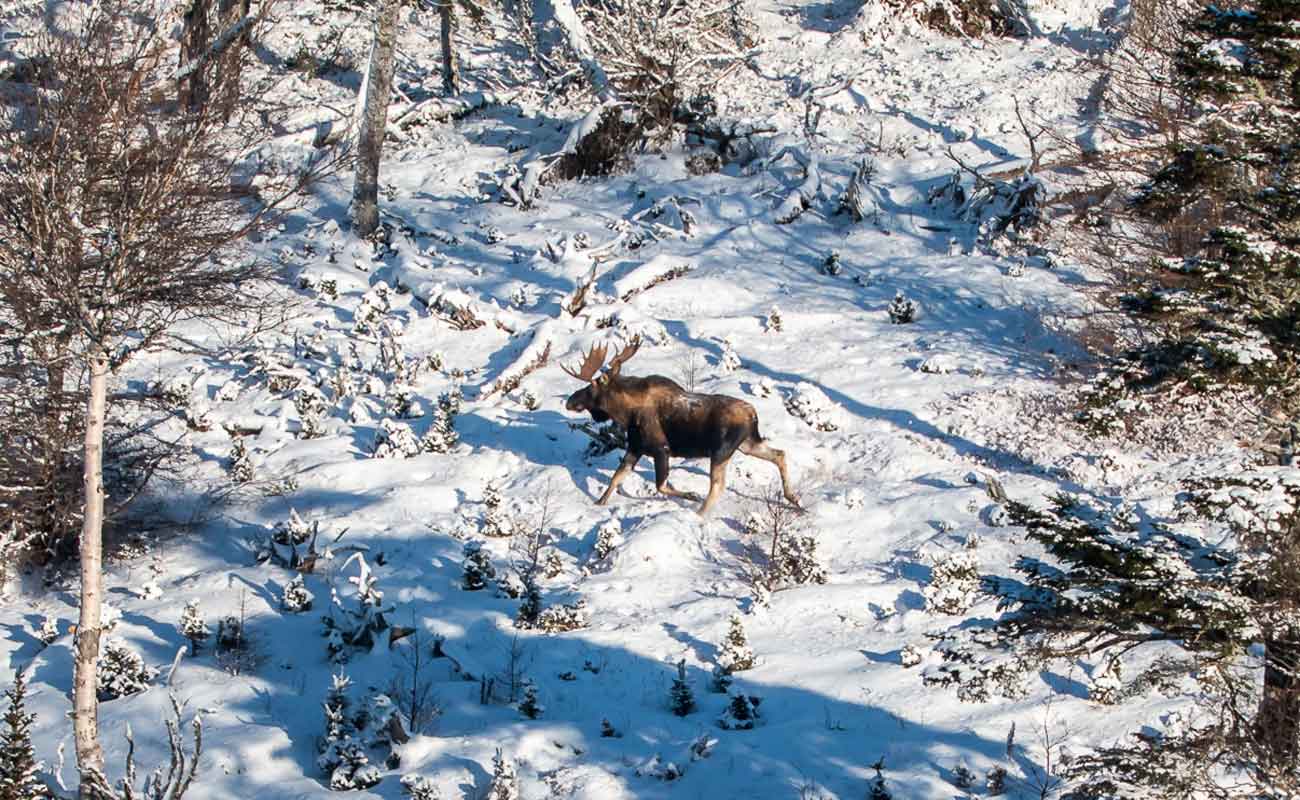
(664,420)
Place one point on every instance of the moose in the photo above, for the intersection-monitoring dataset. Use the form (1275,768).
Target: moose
(664,420)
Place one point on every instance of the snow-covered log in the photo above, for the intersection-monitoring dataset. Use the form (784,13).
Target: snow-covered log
(534,356)
(660,269)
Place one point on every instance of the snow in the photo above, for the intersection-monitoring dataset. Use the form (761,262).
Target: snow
(881,424)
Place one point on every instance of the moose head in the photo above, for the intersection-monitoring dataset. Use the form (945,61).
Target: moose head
(664,420)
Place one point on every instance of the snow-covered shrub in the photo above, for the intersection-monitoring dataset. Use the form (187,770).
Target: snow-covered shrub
(342,752)
(741,713)
(529,706)
(995,783)
(831,265)
(49,631)
(962,777)
(529,400)
(394,440)
(1107,684)
(355,627)
(296,598)
(735,654)
(441,436)
(121,671)
(954,581)
(656,767)
(939,364)
(418,787)
(495,520)
(607,730)
(559,619)
(399,402)
(608,536)
(810,403)
(729,361)
(681,700)
(606,437)
(902,310)
(876,789)
(504,785)
(450,401)
(241,463)
(18,765)
(375,303)
(477,567)
(877,20)
(774,322)
(779,551)
(192,626)
(909,656)
(495,235)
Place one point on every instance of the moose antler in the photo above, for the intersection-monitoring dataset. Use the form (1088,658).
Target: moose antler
(627,352)
(591,364)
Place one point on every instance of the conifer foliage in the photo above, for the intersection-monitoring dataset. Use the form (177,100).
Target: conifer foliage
(18,766)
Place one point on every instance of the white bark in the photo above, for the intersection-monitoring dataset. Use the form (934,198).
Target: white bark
(372,110)
(90,755)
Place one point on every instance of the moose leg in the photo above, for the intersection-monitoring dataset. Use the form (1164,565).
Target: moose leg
(717,483)
(760,449)
(624,467)
(661,478)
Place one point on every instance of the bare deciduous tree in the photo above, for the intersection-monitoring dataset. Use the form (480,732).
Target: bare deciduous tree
(118,211)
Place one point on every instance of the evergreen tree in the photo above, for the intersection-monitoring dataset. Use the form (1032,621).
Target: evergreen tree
(681,698)
(529,706)
(192,626)
(18,779)
(504,786)
(735,654)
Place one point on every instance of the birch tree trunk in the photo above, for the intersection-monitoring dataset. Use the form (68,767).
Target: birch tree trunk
(90,756)
(450,77)
(373,111)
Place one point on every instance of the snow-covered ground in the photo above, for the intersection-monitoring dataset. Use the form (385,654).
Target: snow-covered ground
(901,429)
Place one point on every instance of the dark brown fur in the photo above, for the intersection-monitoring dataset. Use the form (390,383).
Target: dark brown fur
(664,421)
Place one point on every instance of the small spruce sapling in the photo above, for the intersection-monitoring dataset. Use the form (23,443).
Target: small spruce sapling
(741,713)
(49,631)
(608,537)
(504,785)
(296,598)
(607,730)
(831,265)
(477,567)
(681,700)
(735,655)
(18,766)
(418,787)
(876,789)
(995,783)
(902,310)
(775,324)
(529,706)
(192,626)
(121,671)
(241,463)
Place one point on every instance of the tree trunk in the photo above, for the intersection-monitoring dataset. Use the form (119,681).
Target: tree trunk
(450,78)
(1278,723)
(192,88)
(230,62)
(90,756)
(373,108)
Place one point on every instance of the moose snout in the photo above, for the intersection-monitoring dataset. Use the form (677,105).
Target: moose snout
(574,403)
